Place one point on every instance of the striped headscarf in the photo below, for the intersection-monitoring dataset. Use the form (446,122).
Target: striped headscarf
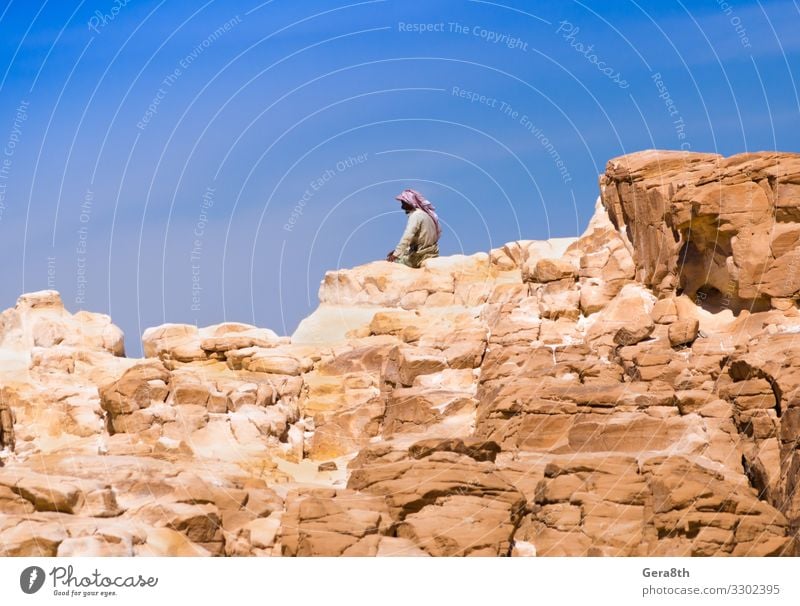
(418,201)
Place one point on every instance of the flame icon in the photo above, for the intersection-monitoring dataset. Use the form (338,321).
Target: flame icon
(31,579)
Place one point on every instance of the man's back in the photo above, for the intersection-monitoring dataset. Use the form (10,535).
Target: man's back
(419,241)
(427,235)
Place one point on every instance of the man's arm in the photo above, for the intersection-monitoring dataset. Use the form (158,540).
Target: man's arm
(410,234)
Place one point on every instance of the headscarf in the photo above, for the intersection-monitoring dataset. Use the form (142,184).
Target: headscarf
(418,201)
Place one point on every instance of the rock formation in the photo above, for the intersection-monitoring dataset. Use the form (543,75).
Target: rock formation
(634,391)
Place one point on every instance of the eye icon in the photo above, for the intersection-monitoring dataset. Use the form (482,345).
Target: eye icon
(31,579)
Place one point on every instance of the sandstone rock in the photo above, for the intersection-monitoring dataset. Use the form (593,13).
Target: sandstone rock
(40,320)
(199,523)
(162,542)
(509,257)
(333,523)
(389,547)
(678,485)
(45,493)
(271,364)
(631,392)
(460,526)
(559,299)
(11,503)
(187,343)
(569,506)
(6,424)
(94,547)
(345,431)
(533,251)
(444,486)
(552,270)
(480,450)
(31,538)
(693,400)
(167,337)
(263,532)
(665,311)
(683,332)
(720,209)
(413,362)
(134,390)
(629,309)
(631,335)
(238,339)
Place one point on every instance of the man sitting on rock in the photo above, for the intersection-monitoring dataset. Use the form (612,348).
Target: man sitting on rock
(421,238)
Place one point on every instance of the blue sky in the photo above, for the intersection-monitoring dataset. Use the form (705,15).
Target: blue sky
(170,145)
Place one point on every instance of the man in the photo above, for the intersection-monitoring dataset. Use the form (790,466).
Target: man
(421,238)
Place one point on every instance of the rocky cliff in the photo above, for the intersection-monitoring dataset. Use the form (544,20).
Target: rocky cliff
(633,391)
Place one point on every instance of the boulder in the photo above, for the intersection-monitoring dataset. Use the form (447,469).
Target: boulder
(631,335)
(39,319)
(138,387)
(552,270)
(683,332)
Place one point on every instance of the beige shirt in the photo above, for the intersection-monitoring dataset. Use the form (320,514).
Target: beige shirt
(420,234)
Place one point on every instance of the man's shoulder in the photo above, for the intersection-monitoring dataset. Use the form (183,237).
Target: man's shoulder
(421,216)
